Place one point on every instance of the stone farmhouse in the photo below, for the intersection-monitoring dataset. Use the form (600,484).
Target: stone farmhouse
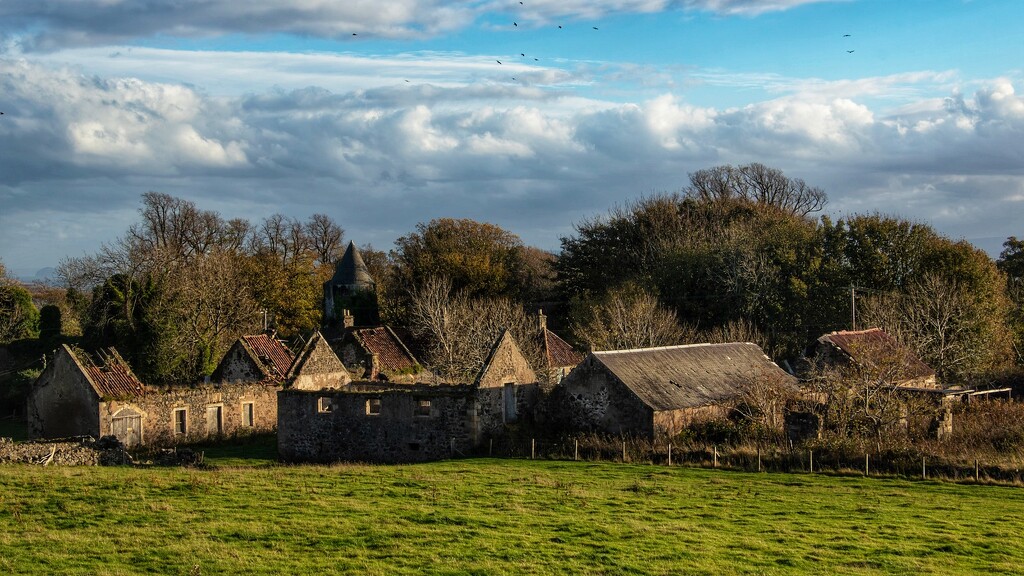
(649,392)
(84,395)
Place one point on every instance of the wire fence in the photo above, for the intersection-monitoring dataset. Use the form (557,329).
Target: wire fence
(901,463)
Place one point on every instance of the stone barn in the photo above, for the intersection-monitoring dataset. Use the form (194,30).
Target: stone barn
(654,391)
(80,394)
(875,350)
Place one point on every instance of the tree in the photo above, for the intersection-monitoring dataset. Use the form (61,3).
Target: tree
(460,329)
(50,324)
(757,183)
(625,318)
(325,238)
(18,315)
(1011,263)
(479,258)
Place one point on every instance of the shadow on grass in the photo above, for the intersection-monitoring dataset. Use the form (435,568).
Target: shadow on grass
(14,428)
(257,451)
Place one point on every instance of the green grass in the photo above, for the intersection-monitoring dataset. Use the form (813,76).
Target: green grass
(498,516)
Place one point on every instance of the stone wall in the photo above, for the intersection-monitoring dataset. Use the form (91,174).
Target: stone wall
(672,422)
(61,402)
(506,380)
(238,366)
(593,399)
(158,412)
(339,425)
(72,452)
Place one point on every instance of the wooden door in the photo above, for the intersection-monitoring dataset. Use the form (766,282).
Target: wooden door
(126,425)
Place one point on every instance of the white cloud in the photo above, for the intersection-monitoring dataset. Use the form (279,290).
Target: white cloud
(532,159)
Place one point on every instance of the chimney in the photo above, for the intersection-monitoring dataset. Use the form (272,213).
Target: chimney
(348,319)
(542,320)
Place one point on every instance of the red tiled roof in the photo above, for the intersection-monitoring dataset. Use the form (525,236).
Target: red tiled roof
(392,355)
(859,345)
(559,353)
(274,355)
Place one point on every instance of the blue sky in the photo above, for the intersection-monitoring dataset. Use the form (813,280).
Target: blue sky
(273,106)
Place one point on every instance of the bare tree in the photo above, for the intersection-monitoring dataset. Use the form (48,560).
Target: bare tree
(325,238)
(624,318)
(757,183)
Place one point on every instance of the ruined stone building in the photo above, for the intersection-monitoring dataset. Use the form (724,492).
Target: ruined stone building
(654,391)
(376,353)
(98,395)
(399,422)
(876,351)
(560,356)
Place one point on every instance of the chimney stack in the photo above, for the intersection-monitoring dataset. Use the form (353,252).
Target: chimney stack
(348,319)
(542,320)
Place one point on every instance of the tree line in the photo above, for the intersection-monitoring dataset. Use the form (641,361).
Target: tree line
(739,254)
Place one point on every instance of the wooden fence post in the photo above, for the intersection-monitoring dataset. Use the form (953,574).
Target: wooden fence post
(670,454)
(490,447)
(975,469)
(758,458)
(623,451)
(576,451)
(716,456)
(924,470)
(533,448)
(866,464)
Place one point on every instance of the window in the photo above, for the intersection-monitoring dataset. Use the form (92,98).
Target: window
(423,407)
(214,420)
(180,422)
(248,416)
(323,405)
(373,407)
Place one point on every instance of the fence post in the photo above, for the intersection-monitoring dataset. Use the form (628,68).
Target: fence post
(716,456)
(576,451)
(670,454)
(758,458)
(533,448)
(924,470)
(975,469)
(623,451)
(811,463)
(866,464)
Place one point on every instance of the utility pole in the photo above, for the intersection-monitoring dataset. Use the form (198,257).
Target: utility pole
(853,307)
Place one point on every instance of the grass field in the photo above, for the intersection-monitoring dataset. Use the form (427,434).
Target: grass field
(493,517)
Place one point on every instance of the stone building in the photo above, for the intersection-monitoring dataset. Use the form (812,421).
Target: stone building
(878,352)
(317,367)
(255,358)
(79,395)
(351,288)
(560,356)
(376,353)
(654,391)
(506,389)
(368,422)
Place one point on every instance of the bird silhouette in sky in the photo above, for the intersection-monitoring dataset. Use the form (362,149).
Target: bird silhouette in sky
(594,27)
(849,51)
(846,35)
(498,61)
(516,24)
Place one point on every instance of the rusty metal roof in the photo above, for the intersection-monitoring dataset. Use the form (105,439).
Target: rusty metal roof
(381,341)
(111,377)
(558,352)
(673,377)
(272,354)
(868,347)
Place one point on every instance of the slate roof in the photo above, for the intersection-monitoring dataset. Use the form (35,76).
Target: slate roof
(392,355)
(351,271)
(674,377)
(271,353)
(558,352)
(866,346)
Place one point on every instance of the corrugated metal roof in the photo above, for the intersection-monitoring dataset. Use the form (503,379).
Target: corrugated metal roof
(867,347)
(392,355)
(112,378)
(673,377)
(274,355)
(559,352)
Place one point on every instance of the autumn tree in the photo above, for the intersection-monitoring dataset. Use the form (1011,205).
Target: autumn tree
(759,184)
(479,258)
(1011,263)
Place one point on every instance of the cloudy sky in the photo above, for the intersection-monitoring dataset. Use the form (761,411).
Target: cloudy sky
(531,115)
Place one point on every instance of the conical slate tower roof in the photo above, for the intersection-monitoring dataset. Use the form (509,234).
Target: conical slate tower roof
(351,271)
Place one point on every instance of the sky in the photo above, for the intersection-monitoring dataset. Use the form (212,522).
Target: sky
(531,115)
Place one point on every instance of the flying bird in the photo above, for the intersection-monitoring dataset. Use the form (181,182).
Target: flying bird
(846,35)
(849,51)
(498,61)
(559,26)
(594,27)
(516,24)
(523,55)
